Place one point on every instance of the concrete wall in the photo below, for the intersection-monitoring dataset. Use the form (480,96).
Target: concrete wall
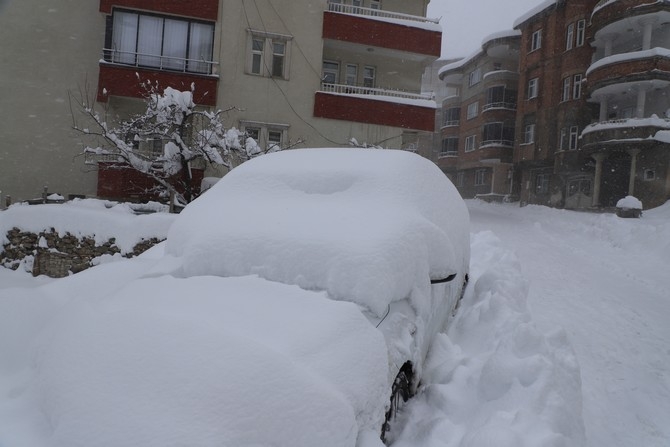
(48,49)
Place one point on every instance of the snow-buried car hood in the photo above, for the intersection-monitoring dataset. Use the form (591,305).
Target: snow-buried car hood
(366,225)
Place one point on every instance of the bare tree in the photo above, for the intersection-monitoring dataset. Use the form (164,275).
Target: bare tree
(164,140)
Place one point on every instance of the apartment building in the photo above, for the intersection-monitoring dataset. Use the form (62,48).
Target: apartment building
(478,116)
(590,123)
(309,73)
(594,78)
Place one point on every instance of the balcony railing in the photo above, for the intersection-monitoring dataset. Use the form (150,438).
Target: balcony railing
(167,63)
(451,123)
(602,4)
(377,13)
(496,142)
(446,154)
(499,105)
(344,89)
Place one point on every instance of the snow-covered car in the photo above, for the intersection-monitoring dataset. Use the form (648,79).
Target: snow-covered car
(383,229)
(291,305)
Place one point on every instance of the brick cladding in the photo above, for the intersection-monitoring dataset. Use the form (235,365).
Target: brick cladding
(200,9)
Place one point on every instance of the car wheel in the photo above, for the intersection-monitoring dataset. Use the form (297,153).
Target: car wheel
(401,391)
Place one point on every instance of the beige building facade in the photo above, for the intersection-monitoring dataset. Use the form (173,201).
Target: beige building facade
(311,73)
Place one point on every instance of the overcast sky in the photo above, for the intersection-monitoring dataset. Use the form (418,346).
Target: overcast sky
(466,22)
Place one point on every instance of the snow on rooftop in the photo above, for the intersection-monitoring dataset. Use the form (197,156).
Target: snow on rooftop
(366,225)
(461,62)
(533,12)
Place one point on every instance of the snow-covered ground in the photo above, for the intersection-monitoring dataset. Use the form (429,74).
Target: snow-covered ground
(562,340)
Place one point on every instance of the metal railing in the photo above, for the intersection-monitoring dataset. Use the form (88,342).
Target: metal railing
(452,123)
(371,12)
(497,142)
(370,91)
(448,154)
(168,63)
(499,105)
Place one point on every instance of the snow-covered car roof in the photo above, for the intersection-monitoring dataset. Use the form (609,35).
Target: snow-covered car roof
(366,225)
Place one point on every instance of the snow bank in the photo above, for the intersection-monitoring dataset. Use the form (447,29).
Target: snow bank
(366,225)
(210,361)
(494,379)
(98,219)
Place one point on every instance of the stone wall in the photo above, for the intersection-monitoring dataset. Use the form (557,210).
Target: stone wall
(59,256)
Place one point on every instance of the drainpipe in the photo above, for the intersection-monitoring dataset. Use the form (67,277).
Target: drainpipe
(647,24)
(599,158)
(633,169)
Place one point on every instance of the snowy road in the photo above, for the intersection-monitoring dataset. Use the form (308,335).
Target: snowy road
(606,281)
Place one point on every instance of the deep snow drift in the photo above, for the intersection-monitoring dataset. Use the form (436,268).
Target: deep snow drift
(557,298)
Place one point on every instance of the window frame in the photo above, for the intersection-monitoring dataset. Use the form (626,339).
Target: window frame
(533,88)
(189,63)
(470,143)
(529,133)
(580,34)
(481,177)
(269,57)
(263,132)
(569,36)
(326,71)
(577,86)
(369,81)
(449,113)
(573,138)
(475,77)
(449,147)
(536,40)
(567,89)
(472,110)
(542,183)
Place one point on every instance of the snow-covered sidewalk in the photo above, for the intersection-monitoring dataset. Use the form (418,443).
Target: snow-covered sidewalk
(597,286)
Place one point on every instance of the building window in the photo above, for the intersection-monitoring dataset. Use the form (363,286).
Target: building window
(452,116)
(649,174)
(460,178)
(257,55)
(480,177)
(577,87)
(536,40)
(351,74)
(161,42)
(529,134)
(498,134)
(331,72)
(581,31)
(268,136)
(369,77)
(569,36)
(449,147)
(375,4)
(562,140)
(268,54)
(565,95)
(470,143)
(278,56)
(473,110)
(541,183)
(532,88)
(500,97)
(574,137)
(474,77)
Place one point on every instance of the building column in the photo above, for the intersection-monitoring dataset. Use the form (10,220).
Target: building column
(609,40)
(633,169)
(647,25)
(599,158)
(604,103)
(641,102)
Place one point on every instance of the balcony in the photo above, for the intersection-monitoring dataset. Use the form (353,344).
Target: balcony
(630,67)
(375,106)
(623,131)
(376,28)
(206,9)
(608,11)
(499,106)
(124,80)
